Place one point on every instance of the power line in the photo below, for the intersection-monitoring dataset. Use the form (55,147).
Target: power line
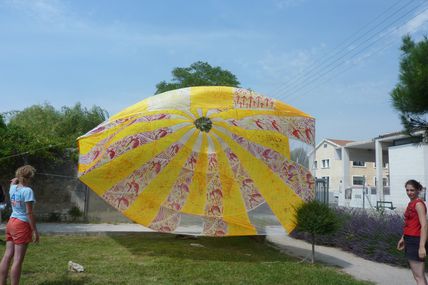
(325,63)
(308,79)
(315,78)
(339,71)
(334,51)
(30,151)
(313,72)
(56,175)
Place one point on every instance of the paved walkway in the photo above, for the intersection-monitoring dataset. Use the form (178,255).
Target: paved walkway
(360,268)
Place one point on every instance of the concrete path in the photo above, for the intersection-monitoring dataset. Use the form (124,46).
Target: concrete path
(360,268)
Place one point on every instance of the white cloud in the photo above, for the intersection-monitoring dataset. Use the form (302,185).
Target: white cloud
(54,16)
(42,10)
(282,65)
(416,24)
(285,71)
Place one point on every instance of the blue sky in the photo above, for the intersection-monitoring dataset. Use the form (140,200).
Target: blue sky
(337,60)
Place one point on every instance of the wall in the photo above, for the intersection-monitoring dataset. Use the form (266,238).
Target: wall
(57,190)
(335,169)
(407,162)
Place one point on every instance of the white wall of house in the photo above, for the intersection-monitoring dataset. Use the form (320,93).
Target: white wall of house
(406,162)
(327,152)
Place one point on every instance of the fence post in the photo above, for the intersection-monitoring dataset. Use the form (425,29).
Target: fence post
(86,208)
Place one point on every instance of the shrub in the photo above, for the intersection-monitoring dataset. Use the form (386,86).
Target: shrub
(54,217)
(75,213)
(316,218)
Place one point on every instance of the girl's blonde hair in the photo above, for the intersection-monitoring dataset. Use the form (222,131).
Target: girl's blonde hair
(25,173)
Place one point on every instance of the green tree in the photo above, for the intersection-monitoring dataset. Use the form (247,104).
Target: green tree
(316,218)
(42,136)
(77,120)
(410,95)
(48,126)
(198,74)
(40,122)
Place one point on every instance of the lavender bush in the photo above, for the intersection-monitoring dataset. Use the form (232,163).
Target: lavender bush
(372,236)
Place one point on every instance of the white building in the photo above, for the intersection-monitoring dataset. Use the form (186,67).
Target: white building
(328,165)
(402,157)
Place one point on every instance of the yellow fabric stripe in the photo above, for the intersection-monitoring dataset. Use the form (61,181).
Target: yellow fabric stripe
(270,139)
(104,177)
(196,200)
(86,143)
(133,130)
(137,112)
(213,97)
(285,108)
(234,211)
(239,114)
(145,127)
(147,205)
(281,199)
(131,110)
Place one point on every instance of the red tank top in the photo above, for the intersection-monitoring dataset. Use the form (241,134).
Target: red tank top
(412,227)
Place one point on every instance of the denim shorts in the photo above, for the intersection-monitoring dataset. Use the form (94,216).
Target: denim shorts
(411,248)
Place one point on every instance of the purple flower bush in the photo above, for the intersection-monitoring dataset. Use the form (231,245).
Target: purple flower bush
(373,236)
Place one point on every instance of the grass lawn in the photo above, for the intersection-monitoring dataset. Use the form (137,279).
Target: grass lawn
(148,258)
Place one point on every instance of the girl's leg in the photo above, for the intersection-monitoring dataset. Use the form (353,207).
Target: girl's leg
(5,262)
(18,259)
(418,270)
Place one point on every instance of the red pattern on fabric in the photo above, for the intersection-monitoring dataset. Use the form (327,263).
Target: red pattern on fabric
(293,174)
(127,144)
(245,99)
(214,204)
(214,227)
(124,193)
(168,217)
(250,194)
(300,128)
(95,152)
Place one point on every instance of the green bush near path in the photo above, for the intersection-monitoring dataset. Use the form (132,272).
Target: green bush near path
(147,258)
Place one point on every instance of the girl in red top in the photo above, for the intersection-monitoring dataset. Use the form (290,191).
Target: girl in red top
(415,232)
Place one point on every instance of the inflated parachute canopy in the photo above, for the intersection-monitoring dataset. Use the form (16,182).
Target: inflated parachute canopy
(215,161)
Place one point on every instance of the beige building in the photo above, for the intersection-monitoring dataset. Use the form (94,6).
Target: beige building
(328,164)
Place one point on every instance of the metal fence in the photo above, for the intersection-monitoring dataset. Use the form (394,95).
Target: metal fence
(321,190)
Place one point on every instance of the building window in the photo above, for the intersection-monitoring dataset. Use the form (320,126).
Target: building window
(325,163)
(327,181)
(359,163)
(325,145)
(358,180)
(385,165)
(315,164)
(385,181)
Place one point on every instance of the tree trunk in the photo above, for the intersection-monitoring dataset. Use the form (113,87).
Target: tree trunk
(313,248)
